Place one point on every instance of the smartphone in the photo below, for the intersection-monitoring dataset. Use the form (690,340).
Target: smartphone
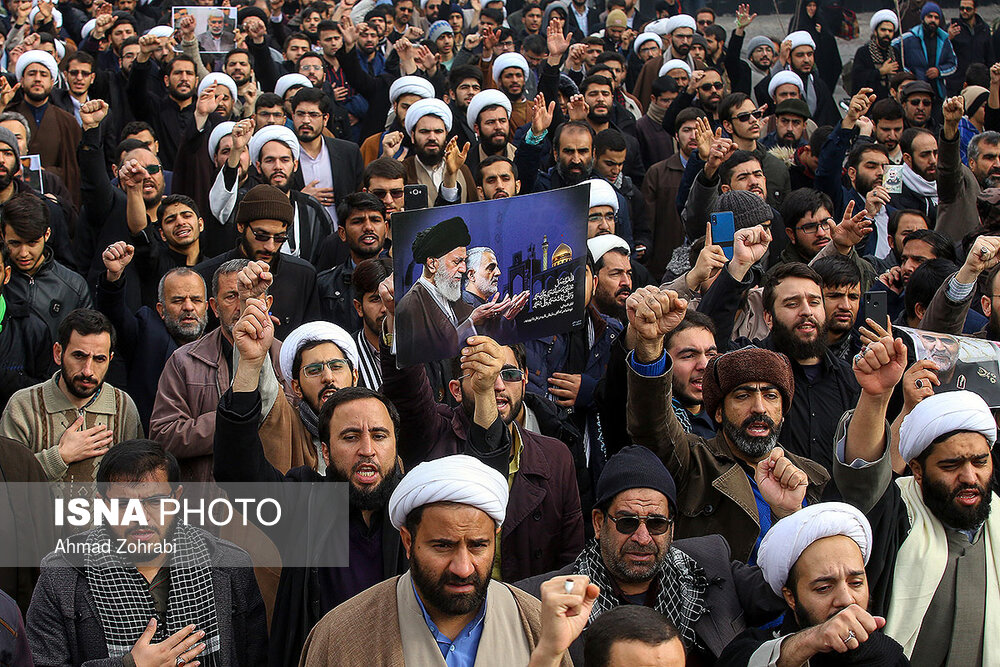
(723,231)
(415,197)
(876,307)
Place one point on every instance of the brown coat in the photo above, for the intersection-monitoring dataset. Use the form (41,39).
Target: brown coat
(55,141)
(426,333)
(659,190)
(713,491)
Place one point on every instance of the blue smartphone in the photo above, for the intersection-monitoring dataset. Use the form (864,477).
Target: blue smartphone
(723,231)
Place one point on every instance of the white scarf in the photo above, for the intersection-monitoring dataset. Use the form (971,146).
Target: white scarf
(882,233)
(920,564)
(919,184)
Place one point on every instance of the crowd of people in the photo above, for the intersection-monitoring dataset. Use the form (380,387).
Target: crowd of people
(737,459)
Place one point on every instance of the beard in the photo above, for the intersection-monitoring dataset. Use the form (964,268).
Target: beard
(430,155)
(682,51)
(433,593)
(495,143)
(37,97)
(755,447)
(786,341)
(469,406)
(574,177)
(76,387)
(284,187)
(486,286)
(940,500)
(608,303)
(6,178)
(186,332)
(620,568)
(368,500)
(595,117)
(450,287)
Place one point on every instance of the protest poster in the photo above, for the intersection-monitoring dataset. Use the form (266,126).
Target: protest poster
(972,364)
(215,27)
(512,269)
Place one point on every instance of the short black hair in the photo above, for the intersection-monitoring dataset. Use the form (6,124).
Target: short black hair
(359,201)
(885,109)
(268,100)
(133,461)
(730,102)
(837,271)
(692,320)
(716,31)
(311,95)
(494,15)
(609,140)
(939,243)
(897,215)
(605,56)
(235,52)
(383,167)
(801,202)
(779,273)
(86,322)
(978,74)
(535,44)
(857,153)
(664,84)
(134,127)
(818,138)
(462,72)
(27,214)
(368,274)
(170,200)
(924,283)
(326,25)
(180,59)
(687,114)
(595,80)
(129,145)
(735,160)
(300,36)
(87,59)
(909,135)
(625,623)
(347,395)
(491,160)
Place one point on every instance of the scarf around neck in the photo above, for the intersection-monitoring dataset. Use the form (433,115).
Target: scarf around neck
(125,605)
(680,588)
(309,418)
(919,184)
(879,57)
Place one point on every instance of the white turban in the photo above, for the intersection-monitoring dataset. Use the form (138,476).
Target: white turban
(56,16)
(87,28)
(160,31)
(646,37)
(800,38)
(487,98)
(679,21)
(272,133)
(218,79)
(36,56)
(410,85)
(674,64)
(505,60)
(942,413)
(314,331)
(600,245)
(783,77)
(602,193)
(282,85)
(658,27)
(454,479)
(60,48)
(789,537)
(221,130)
(429,107)
(882,16)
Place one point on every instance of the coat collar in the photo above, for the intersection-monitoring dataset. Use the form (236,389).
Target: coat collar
(56,401)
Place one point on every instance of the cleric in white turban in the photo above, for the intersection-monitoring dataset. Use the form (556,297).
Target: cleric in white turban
(311,333)
(427,107)
(289,81)
(503,61)
(673,64)
(481,100)
(449,512)
(789,537)
(602,193)
(883,16)
(410,85)
(800,38)
(944,413)
(785,77)
(272,133)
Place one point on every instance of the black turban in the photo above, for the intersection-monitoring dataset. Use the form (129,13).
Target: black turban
(441,239)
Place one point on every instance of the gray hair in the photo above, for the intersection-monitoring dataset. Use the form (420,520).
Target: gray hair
(475,257)
(13,115)
(991,138)
(176,271)
(232,266)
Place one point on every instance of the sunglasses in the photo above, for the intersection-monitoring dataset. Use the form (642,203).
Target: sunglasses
(627,524)
(511,374)
(705,22)
(705,87)
(264,237)
(747,115)
(396,193)
(919,102)
(153,169)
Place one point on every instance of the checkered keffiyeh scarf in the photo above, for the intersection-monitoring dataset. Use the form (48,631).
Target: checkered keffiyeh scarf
(125,605)
(878,55)
(680,595)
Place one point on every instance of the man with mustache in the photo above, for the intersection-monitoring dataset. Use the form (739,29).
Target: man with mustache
(197,603)
(71,420)
(815,559)
(920,158)
(876,61)
(946,442)
(614,274)
(437,162)
(748,392)
(497,178)
(677,35)
(926,50)
(482,276)
(842,289)
(363,229)
(959,186)
(634,560)
(691,345)
(448,512)
(573,153)
(367,276)
(488,115)
(790,119)
(150,336)
(510,74)
(743,121)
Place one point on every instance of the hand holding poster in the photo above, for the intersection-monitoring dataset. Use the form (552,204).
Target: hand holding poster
(512,269)
(962,362)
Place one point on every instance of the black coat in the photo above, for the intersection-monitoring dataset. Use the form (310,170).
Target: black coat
(239,457)
(336,299)
(345,165)
(826,109)
(911,199)
(25,350)
(974,45)
(737,595)
(169,121)
(864,74)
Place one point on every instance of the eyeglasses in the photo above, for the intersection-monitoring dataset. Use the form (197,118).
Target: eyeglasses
(747,115)
(813,227)
(81,73)
(316,369)
(511,374)
(264,237)
(396,193)
(705,87)
(311,115)
(597,217)
(918,102)
(311,68)
(627,524)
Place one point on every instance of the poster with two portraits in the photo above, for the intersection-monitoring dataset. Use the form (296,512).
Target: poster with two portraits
(513,269)
(963,363)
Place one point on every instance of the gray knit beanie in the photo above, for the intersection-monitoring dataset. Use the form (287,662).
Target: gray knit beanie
(748,209)
(7,137)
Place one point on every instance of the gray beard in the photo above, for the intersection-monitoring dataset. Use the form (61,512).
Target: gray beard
(450,290)
(756,448)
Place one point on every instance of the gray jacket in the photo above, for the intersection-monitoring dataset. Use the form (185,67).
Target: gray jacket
(64,628)
(51,293)
(957,213)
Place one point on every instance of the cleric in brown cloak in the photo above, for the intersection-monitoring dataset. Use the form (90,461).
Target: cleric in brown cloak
(432,318)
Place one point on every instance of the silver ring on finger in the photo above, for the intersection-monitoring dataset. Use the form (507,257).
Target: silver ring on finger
(850,636)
